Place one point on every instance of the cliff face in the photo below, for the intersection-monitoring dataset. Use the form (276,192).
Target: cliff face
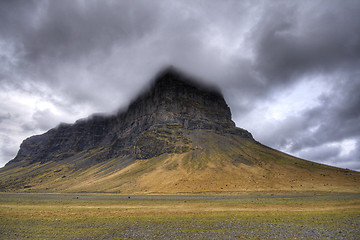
(152,125)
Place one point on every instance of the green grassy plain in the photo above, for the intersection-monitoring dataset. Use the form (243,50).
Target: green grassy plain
(112,216)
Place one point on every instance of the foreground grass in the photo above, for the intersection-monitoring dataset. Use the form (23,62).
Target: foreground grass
(106,216)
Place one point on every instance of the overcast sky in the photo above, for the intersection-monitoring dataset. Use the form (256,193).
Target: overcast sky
(289,70)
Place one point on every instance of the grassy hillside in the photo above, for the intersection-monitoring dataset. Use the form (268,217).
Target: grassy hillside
(216,163)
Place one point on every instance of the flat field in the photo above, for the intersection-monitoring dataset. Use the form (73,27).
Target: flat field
(111,216)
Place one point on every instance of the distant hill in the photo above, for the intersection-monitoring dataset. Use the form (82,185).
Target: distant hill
(177,137)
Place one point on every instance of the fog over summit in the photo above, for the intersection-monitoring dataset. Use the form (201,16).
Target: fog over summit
(289,70)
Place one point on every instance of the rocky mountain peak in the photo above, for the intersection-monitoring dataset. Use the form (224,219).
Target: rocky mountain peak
(159,121)
(175,97)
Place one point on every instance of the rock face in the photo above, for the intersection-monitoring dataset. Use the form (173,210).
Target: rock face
(152,125)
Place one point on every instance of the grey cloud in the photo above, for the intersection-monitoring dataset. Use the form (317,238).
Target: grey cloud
(7,148)
(332,154)
(67,45)
(29,126)
(45,119)
(41,120)
(291,42)
(351,161)
(13,16)
(294,40)
(66,30)
(336,117)
(322,153)
(5,116)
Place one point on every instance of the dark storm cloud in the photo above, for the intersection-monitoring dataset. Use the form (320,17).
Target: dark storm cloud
(68,44)
(294,40)
(81,57)
(69,30)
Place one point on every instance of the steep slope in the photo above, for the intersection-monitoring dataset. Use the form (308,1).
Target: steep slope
(177,137)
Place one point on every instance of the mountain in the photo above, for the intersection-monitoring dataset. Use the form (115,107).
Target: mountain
(176,137)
